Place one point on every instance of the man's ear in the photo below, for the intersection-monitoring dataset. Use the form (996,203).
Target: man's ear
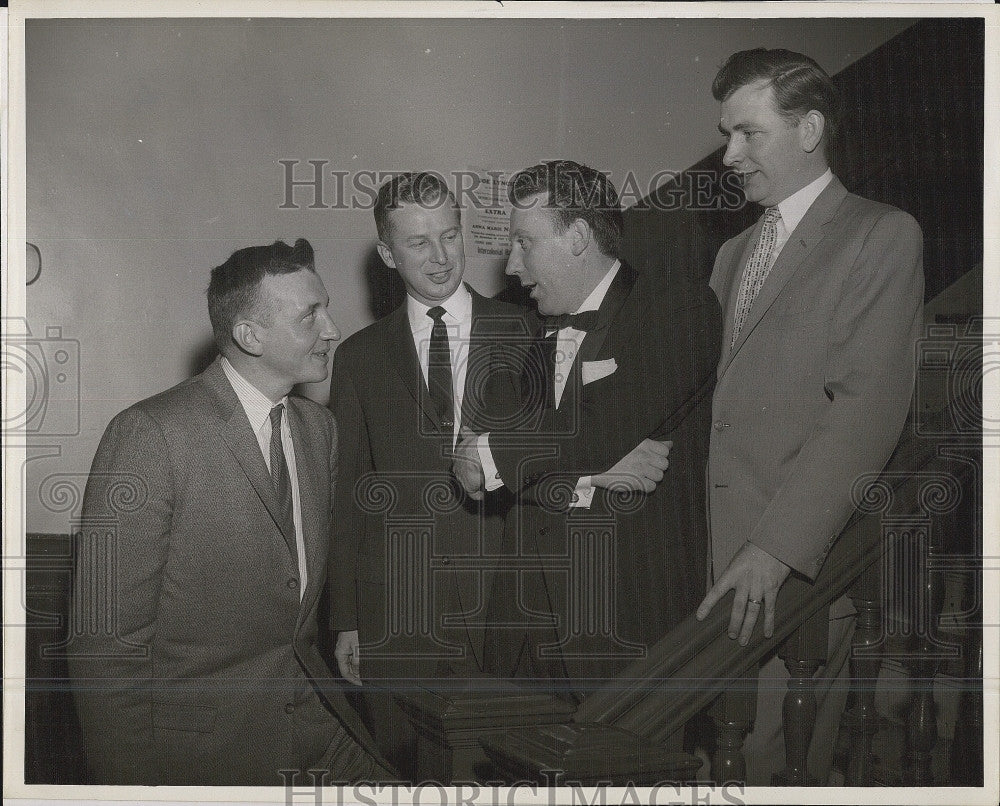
(385,253)
(580,236)
(246,337)
(811,128)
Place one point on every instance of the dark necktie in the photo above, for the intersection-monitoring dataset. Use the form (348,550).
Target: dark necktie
(578,321)
(279,473)
(439,382)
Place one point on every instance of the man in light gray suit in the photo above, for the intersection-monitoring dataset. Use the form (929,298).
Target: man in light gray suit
(822,302)
(194,655)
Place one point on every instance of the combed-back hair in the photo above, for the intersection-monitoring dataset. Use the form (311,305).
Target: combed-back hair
(234,290)
(799,84)
(415,187)
(573,191)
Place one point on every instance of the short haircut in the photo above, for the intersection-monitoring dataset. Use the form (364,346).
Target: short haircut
(415,187)
(234,290)
(574,191)
(799,84)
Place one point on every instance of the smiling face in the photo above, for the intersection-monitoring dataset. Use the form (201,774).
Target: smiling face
(774,157)
(425,246)
(294,332)
(542,258)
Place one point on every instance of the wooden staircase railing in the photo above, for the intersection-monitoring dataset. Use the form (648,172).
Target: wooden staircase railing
(628,730)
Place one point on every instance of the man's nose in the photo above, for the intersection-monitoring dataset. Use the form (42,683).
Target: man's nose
(439,254)
(514,264)
(733,153)
(330,330)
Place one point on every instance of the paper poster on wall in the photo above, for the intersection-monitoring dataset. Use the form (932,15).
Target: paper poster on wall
(488,213)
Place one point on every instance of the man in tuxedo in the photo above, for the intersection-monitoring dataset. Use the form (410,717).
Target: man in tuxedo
(402,389)
(202,554)
(822,303)
(611,550)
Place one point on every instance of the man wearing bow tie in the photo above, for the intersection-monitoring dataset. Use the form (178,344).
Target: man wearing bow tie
(401,390)
(612,549)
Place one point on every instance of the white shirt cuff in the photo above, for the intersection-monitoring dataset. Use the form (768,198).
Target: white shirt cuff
(583,493)
(490,473)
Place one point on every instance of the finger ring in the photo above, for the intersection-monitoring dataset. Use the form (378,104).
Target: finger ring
(754,601)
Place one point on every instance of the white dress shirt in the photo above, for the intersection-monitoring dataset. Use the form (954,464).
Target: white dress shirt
(258,407)
(458,321)
(794,208)
(568,345)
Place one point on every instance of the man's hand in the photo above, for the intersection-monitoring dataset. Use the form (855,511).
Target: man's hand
(639,470)
(756,577)
(467,467)
(348,655)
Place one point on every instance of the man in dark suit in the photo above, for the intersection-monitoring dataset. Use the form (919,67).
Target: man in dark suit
(611,561)
(402,388)
(822,300)
(203,551)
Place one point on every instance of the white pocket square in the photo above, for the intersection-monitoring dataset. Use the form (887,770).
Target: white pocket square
(595,370)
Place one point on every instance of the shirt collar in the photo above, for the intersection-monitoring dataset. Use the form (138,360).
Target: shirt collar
(797,205)
(255,403)
(593,302)
(458,308)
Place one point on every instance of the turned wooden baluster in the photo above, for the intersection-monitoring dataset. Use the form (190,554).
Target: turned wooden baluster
(967,744)
(733,713)
(803,654)
(865,664)
(921,717)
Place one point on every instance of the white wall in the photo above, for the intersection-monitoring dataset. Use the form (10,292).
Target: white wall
(153,150)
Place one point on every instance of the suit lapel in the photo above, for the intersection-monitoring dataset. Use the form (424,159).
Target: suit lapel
(801,242)
(477,364)
(242,443)
(407,364)
(612,303)
(312,470)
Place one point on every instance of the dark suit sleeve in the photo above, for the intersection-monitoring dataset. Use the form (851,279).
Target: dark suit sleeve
(347,520)
(121,555)
(869,382)
(671,367)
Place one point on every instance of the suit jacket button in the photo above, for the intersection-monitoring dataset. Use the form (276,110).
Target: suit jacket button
(719,425)
(543,530)
(445,560)
(292,583)
(289,708)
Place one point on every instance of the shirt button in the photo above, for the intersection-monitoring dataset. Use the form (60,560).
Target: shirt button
(719,425)
(292,583)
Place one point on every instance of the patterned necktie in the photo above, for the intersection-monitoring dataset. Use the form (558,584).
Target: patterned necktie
(756,269)
(439,382)
(279,473)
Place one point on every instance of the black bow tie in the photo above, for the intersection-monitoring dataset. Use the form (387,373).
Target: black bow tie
(578,321)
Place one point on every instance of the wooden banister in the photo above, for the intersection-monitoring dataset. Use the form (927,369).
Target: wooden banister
(654,697)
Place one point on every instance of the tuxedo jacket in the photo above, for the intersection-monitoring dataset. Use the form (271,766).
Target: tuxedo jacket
(602,584)
(191,652)
(413,552)
(812,398)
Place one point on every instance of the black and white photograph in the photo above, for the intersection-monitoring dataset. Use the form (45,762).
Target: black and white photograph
(501,402)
